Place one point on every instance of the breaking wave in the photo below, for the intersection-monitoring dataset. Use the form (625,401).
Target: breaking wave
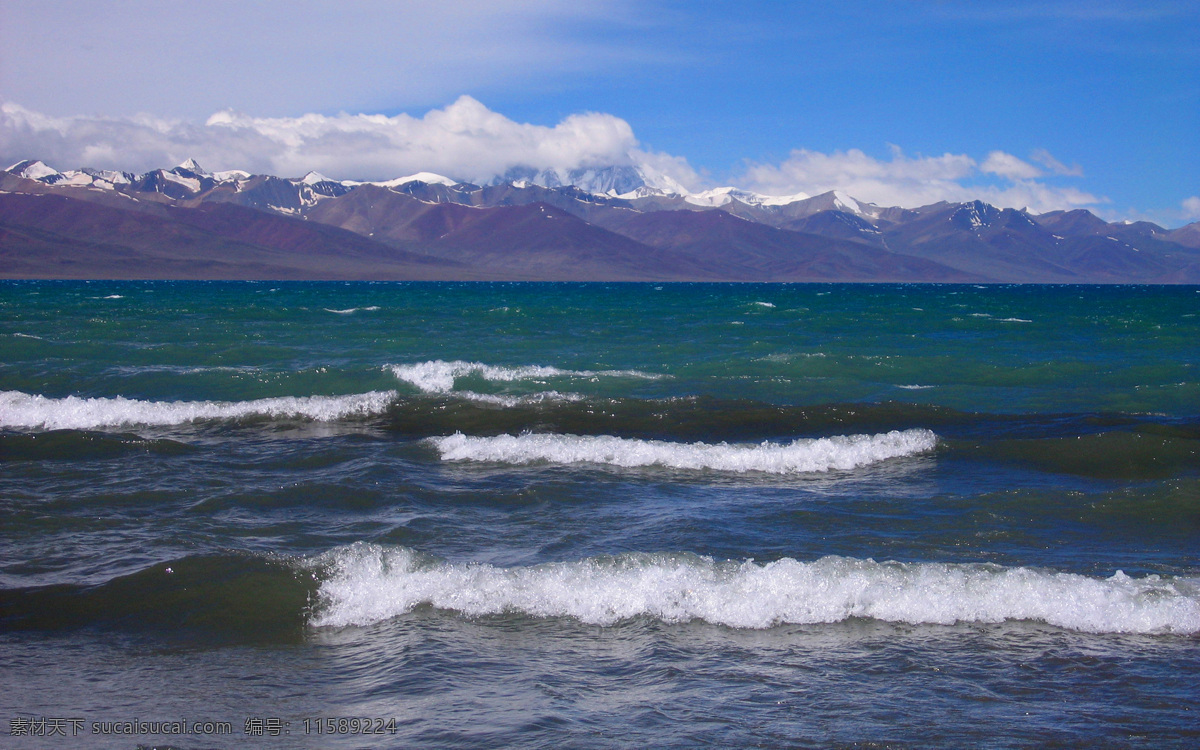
(25,411)
(805,455)
(438,376)
(367,583)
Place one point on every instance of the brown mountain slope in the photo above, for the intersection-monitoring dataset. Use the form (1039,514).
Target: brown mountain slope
(1008,245)
(534,242)
(538,241)
(741,250)
(51,236)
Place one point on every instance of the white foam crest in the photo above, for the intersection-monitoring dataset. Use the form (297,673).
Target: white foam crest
(805,455)
(438,376)
(25,411)
(351,310)
(368,583)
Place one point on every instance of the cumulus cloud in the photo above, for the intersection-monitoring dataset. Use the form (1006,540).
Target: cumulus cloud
(860,175)
(467,141)
(916,181)
(464,140)
(1191,208)
(1007,165)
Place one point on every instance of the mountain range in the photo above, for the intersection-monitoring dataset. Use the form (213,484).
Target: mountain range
(619,223)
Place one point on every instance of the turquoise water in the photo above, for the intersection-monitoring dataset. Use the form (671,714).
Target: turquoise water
(595,515)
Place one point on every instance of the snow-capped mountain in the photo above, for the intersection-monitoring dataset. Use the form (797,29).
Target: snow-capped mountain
(627,182)
(102,178)
(725,195)
(617,222)
(614,181)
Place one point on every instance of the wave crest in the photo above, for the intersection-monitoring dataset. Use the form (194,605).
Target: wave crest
(438,376)
(26,411)
(367,583)
(804,455)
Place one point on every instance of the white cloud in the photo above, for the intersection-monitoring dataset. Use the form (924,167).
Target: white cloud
(860,175)
(915,181)
(464,140)
(1191,208)
(676,168)
(1007,165)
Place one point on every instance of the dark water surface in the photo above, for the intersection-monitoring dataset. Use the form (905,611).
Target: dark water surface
(573,515)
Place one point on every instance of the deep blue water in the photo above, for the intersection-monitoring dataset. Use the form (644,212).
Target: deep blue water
(573,515)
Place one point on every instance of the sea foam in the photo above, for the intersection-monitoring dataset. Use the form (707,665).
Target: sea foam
(351,310)
(805,455)
(366,583)
(25,411)
(438,376)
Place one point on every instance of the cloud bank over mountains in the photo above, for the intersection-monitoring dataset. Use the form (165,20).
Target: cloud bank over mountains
(467,141)
(1001,179)
(464,140)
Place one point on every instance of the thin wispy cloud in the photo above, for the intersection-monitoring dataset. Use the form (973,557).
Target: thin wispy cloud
(280,58)
(1047,160)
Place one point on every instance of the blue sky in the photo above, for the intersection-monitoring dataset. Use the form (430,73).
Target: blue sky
(1051,104)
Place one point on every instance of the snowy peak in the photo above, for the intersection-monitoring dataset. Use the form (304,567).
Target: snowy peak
(836,200)
(100,178)
(32,170)
(712,198)
(312,178)
(190,169)
(975,215)
(109,176)
(612,181)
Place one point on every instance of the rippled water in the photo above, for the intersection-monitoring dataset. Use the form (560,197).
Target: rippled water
(600,515)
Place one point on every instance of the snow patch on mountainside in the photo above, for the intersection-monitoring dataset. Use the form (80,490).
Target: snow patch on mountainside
(724,195)
(190,183)
(428,178)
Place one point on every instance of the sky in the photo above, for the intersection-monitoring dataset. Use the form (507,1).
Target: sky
(1054,104)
